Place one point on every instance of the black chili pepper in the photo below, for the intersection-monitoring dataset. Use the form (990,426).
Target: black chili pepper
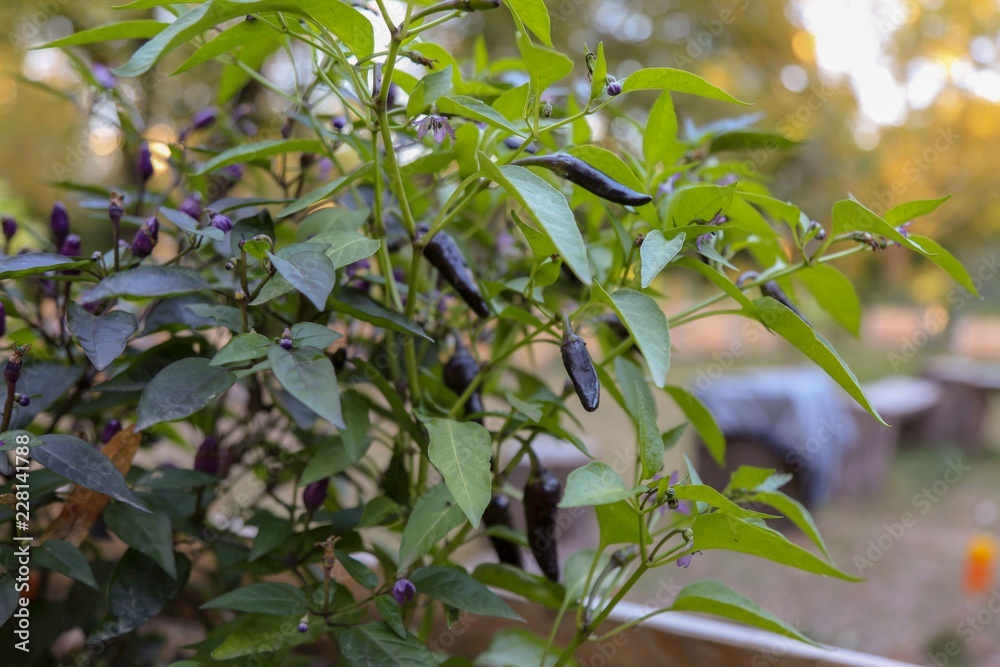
(541,499)
(498,514)
(459,373)
(773,290)
(575,170)
(580,368)
(443,253)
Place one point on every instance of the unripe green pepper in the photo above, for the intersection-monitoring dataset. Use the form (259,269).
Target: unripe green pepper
(575,170)
(542,493)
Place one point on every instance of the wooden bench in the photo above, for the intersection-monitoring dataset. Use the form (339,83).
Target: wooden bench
(960,414)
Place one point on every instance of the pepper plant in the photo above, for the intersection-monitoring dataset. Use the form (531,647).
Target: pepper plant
(333,309)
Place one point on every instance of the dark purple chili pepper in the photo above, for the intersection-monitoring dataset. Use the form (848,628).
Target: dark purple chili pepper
(207,458)
(9,227)
(191,205)
(144,163)
(444,255)
(773,290)
(580,368)
(145,239)
(459,373)
(542,493)
(59,223)
(498,514)
(111,429)
(314,495)
(72,246)
(575,170)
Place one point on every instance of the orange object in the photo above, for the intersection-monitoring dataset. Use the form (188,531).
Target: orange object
(980,563)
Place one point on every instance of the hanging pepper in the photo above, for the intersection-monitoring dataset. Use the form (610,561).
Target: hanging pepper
(459,373)
(575,170)
(444,255)
(580,368)
(542,493)
(498,514)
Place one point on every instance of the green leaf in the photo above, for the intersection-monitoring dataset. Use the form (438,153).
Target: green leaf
(146,281)
(656,252)
(148,533)
(709,496)
(712,597)
(357,424)
(699,203)
(141,29)
(242,348)
(659,140)
(358,570)
(434,514)
(311,334)
(897,215)
(189,225)
(180,390)
(229,40)
(454,587)
(362,307)
(795,512)
(723,282)
(850,216)
(343,20)
(260,149)
(103,338)
(549,208)
(835,294)
(251,636)
(721,531)
(377,645)
(428,91)
(392,614)
(790,326)
(702,420)
(947,261)
(308,375)
(324,192)
(646,323)
(32,263)
(65,558)
(594,484)
(518,647)
(82,464)
(742,140)
(598,81)
(461,451)
(308,270)
(535,17)
(272,532)
(139,590)
(605,161)
(473,109)
(620,523)
(533,587)
(545,66)
(666,78)
(650,442)
(346,246)
(268,597)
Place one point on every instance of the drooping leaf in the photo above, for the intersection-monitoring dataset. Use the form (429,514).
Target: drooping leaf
(656,252)
(308,375)
(650,442)
(268,597)
(454,587)
(947,261)
(32,263)
(104,337)
(461,451)
(835,294)
(647,325)
(148,533)
(377,644)
(146,281)
(65,558)
(81,464)
(545,66)
(533,587)
(308,270)
(434,515)
(702,420)
(392,614)
(362,307)
(139,29)
(182,389)
(429,90)
(795,512)
(241,349)
(473,109)
(594,484)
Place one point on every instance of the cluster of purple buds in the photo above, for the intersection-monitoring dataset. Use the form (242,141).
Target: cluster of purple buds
(59,223)
(220,221)
(191,206)
(286,340)
(9,227)
(314,495)
(146,238)
(144,163)
(207,458)
(111,429)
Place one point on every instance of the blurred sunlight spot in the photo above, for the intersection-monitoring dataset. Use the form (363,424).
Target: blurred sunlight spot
(104,141)
(925,80)
(851,38)
(794,78)
(50,66)
(867,133)
(676,28)
(983,50)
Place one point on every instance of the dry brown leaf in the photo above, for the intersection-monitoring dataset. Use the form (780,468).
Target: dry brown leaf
(83,506)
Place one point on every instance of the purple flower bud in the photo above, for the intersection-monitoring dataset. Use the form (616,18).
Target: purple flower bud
(59,222)
(144,163)
(12,371)
(204,118)
(323,168)
(116,208)
(684,560)
(191,205)
(103,75)
(234,172)
(207,458)
(145,239)
(339,123)
(23,400)
(403,590)
(71,246)
(314,494)
(286,343)
(9,227)
(303,627)
(111,429)
(222,222)
(392,96)
(614,89)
